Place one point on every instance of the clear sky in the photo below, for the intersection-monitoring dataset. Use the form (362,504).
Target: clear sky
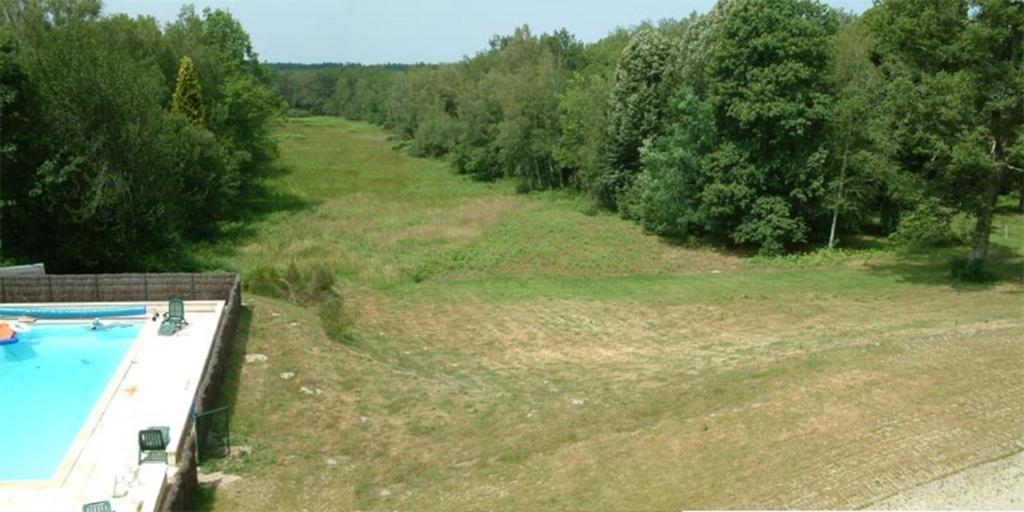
(406,31)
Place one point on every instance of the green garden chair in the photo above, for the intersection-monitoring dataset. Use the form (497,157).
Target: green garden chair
(174,318)
(97,506)
(153,444)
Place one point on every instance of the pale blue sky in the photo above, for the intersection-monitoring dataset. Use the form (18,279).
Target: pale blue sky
(377,31)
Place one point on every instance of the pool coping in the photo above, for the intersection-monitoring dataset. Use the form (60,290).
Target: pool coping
(89,426)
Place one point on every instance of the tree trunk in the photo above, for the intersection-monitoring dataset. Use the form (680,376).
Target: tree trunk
(832,233)
(1020,206)
(839,193)
(983,228)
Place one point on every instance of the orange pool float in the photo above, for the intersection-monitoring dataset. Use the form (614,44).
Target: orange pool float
(7,334)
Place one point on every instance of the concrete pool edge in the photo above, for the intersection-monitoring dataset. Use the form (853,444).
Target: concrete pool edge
(182,488)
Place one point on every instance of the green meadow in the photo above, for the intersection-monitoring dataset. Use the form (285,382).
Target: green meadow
(492,350)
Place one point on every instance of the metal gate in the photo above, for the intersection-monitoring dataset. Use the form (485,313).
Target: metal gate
(213,433)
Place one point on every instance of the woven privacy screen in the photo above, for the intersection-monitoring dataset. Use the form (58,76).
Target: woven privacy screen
(114,287)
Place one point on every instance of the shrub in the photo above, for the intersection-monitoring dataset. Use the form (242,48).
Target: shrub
(927,225)
(972,271)
(301,286)
(819,257)
(264,281)
(335,321)
(771,226)
(961,226)
(321,281)
(314,287)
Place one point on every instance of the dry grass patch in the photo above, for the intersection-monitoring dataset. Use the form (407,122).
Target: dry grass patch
(458,224)
(635,335)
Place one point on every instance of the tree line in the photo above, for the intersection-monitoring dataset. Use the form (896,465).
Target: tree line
(771,124)
(123,141)
(354,91)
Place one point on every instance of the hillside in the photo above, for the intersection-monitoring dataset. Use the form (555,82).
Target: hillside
(516,352)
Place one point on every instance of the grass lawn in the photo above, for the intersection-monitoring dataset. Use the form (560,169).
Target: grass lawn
(519,352)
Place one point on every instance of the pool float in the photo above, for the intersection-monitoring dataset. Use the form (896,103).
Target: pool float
(19,327)
(7,335)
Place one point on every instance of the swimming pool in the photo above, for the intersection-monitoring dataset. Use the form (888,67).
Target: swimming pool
(50,382)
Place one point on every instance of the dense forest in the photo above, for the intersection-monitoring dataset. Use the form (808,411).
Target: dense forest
(777,125)
(768,125)
(123,141)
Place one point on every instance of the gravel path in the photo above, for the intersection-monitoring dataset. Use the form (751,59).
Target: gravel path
(997,485)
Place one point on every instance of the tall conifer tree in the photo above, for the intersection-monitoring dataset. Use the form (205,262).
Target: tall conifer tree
(188,94)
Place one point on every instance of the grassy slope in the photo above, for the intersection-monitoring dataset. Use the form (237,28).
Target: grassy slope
(511,352)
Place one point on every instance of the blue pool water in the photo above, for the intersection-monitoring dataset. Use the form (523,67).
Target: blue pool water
(50,381)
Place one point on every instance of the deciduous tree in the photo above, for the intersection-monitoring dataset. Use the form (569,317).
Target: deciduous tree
(637,106)
(956,98)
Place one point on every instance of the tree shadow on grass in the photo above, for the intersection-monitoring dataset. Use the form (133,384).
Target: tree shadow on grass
(260,201)
(932,267)
(866,242)
(719,246)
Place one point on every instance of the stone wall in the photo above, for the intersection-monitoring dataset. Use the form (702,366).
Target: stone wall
(183,488)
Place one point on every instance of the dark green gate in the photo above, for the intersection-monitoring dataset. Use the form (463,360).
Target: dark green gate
(213,433)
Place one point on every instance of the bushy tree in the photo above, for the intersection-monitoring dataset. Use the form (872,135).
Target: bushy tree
(525,82)
(860,168)
(637,107)
(667,197)
(13,122)
(355,91)
(769,90)
(955,98)
(745,158)
(99,172)
(771,124)
(235,86)
(582,147)
(91,180)
(423,107)
(502,116)
(472,150)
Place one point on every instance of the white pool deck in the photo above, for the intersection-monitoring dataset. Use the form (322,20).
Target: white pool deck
(155,386)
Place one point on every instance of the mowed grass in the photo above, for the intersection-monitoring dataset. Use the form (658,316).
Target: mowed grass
(515,352)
